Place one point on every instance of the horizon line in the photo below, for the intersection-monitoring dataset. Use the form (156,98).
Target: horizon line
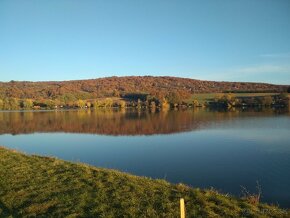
(107,77)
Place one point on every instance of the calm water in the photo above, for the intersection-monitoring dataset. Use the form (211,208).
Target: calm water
(224,150)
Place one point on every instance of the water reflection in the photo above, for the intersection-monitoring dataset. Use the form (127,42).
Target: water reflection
(117,122)
(216,149)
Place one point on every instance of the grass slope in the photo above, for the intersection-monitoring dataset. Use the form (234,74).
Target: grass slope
(47,187)
(205,97)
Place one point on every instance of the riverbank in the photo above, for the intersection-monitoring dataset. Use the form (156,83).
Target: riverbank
(153,102)
(43,186)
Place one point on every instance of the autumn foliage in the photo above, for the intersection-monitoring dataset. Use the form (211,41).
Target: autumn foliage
(120,86)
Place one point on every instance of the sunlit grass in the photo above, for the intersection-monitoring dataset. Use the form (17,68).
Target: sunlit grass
(205,97)
(47,187)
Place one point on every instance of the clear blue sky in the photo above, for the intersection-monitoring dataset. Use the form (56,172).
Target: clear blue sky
(230,40)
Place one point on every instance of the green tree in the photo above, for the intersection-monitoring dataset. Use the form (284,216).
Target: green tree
(227,100)
(68,98)
(50,104)
(173,98)
(58,102)
(282,99)
(267,100)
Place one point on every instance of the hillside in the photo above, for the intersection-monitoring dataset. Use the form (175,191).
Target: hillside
(121,86)
(33,186)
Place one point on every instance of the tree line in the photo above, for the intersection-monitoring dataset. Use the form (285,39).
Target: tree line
(137,100)
(230,100)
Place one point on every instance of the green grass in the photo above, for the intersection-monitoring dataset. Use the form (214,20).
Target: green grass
(205,97)
(34,186)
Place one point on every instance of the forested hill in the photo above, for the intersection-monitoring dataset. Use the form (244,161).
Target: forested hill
(120,86)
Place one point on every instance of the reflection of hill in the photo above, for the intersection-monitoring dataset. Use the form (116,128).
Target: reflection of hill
(110,122)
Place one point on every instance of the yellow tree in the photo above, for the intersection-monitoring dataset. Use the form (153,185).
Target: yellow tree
(122,104)
(108,102)
(1,104)
(27,103)
(195,103)
(165,104)
(139,104)
(96,103)
(88,104)
(13,104)
(80,103)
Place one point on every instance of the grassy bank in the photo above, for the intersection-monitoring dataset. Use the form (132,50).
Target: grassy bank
(48,187)
(202,98)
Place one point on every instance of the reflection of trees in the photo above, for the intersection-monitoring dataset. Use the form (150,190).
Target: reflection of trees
(112,122)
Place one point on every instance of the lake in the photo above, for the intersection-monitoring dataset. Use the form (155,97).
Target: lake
(201,148)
